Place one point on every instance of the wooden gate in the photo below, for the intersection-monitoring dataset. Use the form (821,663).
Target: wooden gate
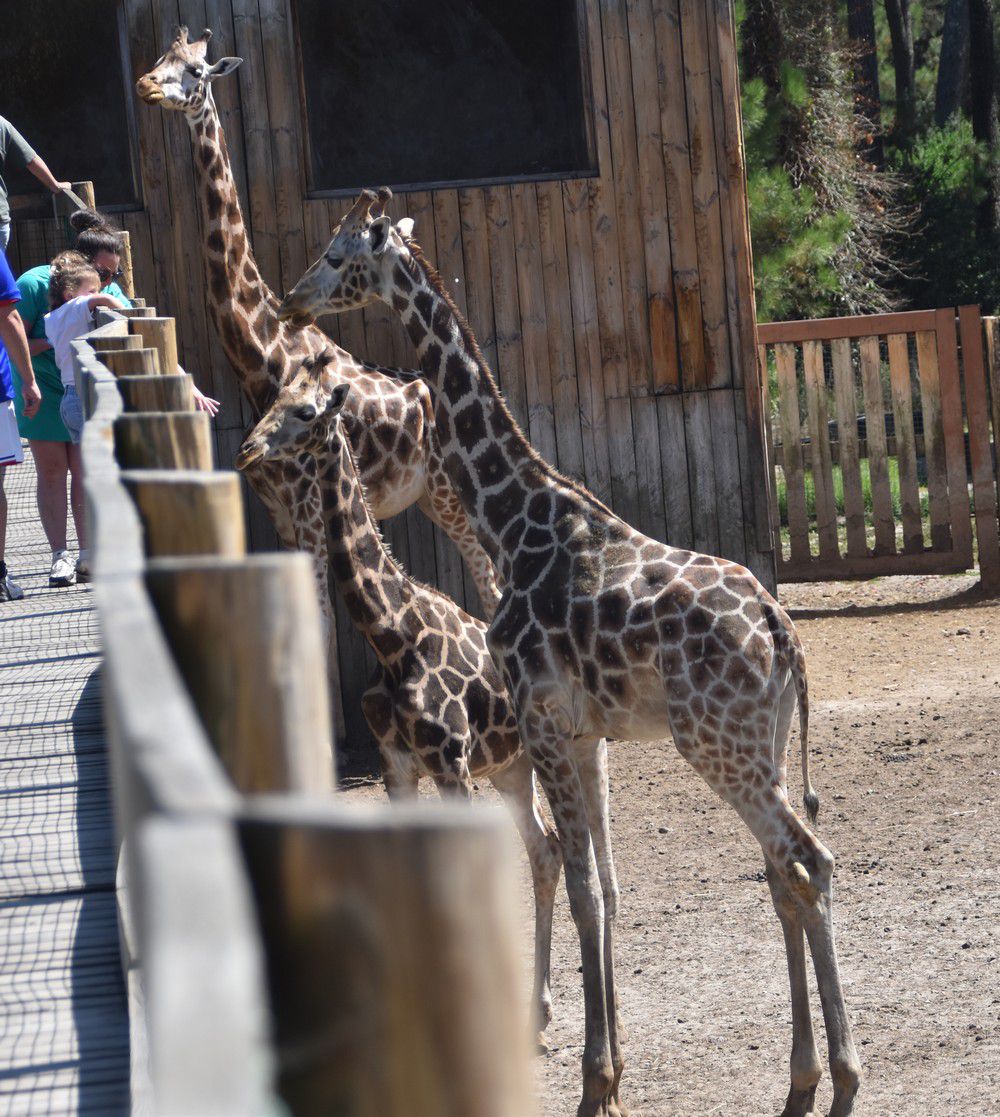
(877,425)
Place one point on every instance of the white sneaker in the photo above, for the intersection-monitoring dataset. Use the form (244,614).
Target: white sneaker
(83,573)
(63,570)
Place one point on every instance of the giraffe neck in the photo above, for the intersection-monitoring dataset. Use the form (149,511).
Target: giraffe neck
(375,590)
(493,467)
(240,303)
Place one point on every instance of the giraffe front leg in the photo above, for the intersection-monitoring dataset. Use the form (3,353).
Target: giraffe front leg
(516,784)
(400,773)
(546,733)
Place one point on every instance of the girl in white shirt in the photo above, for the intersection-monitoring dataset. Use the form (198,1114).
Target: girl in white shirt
(74,295)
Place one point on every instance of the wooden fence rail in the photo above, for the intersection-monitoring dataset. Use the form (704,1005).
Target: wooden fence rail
(275,944)
(879,423)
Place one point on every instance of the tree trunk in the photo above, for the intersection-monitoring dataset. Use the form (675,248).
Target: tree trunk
(953,65)
(867,101)
(762,42)
(985,121)
(901,30)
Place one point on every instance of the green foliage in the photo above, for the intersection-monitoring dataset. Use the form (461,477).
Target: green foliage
(952,261)
(794,240)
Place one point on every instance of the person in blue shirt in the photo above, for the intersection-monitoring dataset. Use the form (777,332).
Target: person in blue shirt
(13,338)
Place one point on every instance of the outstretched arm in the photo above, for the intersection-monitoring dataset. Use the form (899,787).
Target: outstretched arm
(40,170)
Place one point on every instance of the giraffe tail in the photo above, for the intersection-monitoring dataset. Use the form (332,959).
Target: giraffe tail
(789,649)
(797,663)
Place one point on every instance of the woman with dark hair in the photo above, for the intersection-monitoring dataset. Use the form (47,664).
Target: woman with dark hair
(52,449)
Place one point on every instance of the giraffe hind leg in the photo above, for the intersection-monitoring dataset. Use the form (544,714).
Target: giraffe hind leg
(802,869)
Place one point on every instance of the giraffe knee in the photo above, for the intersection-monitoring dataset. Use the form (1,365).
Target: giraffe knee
(811,874)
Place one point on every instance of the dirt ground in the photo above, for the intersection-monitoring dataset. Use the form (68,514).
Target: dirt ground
(904,678)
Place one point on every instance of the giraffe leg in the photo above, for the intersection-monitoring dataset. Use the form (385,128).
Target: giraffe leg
(516,783)
(803,868)
(441,505)
(546,732)
(805,1065)
(845,1067)
(400,771)
(592,764)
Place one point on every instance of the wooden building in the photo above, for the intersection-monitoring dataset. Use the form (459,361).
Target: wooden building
(604,263)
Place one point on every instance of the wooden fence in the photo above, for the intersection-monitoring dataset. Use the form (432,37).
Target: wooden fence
(877,426)
(276,942)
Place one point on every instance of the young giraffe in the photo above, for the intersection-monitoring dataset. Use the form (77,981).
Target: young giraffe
(389,416)
(437,705)
(603,632)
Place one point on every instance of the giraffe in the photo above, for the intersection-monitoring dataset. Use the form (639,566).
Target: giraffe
(389,417)
(436,706)
(602,632)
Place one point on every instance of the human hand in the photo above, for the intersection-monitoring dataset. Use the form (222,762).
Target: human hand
(205,403)
(62,186)
(32,398)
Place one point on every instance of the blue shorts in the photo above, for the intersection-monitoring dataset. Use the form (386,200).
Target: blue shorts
(71,413)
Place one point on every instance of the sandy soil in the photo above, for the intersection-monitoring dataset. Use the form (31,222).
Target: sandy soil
(905,743)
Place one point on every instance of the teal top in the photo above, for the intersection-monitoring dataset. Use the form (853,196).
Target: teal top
(46,426)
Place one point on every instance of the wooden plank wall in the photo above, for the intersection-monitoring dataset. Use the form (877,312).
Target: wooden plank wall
(617,311)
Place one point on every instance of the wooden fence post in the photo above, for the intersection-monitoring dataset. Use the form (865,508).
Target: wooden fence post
(132,362)
(127,282)
(161,333)
(157,393)
(163,440)
(184,512)
(246,636)
(393,959)
(991,328)
(112,343)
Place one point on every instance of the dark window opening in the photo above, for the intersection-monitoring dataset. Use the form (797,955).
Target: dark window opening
(433,92)
(65,90)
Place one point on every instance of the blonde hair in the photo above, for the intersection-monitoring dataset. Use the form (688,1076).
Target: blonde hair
(66,272)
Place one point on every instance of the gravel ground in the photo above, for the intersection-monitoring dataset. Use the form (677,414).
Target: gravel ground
(904,680)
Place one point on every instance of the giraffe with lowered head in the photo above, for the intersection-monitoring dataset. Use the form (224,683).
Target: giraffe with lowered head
(389,415)
(603,632)
(437,705)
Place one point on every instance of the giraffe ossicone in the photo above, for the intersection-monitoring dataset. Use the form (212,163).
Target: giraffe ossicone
(437,705)
(604,632)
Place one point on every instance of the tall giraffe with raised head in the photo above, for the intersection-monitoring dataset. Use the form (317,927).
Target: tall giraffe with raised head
(437,705)
(603,632)
(389,416)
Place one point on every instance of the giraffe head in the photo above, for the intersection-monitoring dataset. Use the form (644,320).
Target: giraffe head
(181,77)
(302,419)
(357,264)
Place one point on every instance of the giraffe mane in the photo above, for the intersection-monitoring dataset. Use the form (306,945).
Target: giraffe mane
(469,339)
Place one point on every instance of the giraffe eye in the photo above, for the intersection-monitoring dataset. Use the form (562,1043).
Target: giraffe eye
(335,261)
(306,413)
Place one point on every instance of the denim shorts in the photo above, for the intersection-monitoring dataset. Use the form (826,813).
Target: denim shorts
(71,413)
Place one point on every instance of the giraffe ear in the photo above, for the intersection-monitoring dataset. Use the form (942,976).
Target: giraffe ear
(338,397)
(223,67)
(404,226)
(378,234)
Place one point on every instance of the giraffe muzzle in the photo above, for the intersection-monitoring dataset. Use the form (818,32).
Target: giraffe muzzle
(250,453)
(289,312)
(149,92)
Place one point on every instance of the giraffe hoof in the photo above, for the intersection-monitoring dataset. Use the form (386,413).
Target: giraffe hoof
(799,1103)
(541,1044)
